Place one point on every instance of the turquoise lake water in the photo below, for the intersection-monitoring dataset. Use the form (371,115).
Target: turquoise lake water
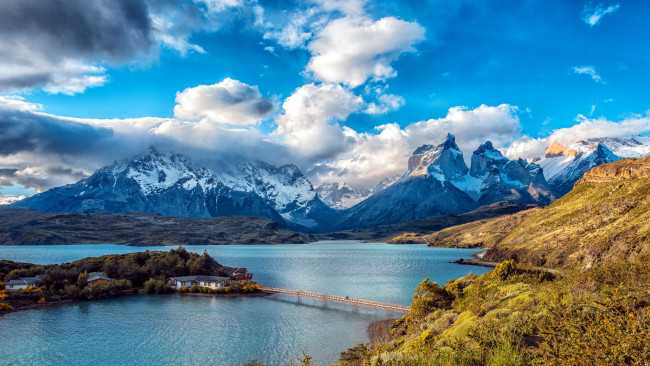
(160,330)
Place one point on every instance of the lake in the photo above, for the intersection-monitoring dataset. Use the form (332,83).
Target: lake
(144,330)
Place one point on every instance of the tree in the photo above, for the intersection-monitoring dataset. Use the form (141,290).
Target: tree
(82,279)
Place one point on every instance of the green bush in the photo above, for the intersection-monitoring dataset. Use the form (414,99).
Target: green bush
(156,286)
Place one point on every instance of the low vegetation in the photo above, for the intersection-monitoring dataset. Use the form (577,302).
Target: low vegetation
(517,315)
(145,272)
(597,312)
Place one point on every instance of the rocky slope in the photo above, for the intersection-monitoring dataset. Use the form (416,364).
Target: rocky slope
(23,226)
(340,195)
(286,189)
(564,165)
(438,182)
(605,216)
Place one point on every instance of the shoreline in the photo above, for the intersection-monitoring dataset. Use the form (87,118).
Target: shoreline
(379,332)
(73,301)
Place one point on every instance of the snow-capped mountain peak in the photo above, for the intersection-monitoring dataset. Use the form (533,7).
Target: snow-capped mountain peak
(156,171)
(564,165)
(443,162)
(484,157)
(340,195)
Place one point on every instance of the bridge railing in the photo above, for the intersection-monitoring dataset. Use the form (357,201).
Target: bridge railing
(339,299)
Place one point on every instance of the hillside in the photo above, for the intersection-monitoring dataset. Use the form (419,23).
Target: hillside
(605,216)
(23,226)
(415,229)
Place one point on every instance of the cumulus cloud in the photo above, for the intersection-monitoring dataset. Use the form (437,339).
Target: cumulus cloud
(373,156)
(585,128)
(65,46)
(54,43)
(592,14)
(40,150)
(385,103)
(296,31)
(589,71)
(228,102)
(353,49)
(309,120)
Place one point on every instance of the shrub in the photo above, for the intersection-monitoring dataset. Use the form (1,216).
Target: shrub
(73,291)
(155,286)
(194,289)
(427,298)
(41,301)
(2,285)
(5,307)
(505,269)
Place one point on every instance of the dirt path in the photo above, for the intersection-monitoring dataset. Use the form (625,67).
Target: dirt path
(379,332)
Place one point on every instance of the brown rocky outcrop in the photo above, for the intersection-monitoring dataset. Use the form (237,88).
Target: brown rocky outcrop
(557,149)
(622,169)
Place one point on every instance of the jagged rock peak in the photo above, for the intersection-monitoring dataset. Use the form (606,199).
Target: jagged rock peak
(556,149)
(450,142)
(443,162)
(485,157)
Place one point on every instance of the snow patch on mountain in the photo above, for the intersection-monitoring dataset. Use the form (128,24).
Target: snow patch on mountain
(340,195)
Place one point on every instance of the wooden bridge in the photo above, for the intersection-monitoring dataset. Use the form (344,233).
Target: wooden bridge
(339,299)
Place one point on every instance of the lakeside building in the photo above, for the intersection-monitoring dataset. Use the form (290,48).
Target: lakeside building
(201,281)
(96,277)
(24,282)
(239,274)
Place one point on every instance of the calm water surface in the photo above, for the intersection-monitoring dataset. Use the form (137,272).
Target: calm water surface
(226,331)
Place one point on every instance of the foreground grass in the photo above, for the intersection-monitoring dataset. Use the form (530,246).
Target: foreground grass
(516,315)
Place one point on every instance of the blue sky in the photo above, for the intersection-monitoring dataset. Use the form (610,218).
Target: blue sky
(477,53)
(332,70)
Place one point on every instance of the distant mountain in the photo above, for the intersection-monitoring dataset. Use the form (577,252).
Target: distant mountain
(164,183)
(340,195)
(284,188)
(438,182)
(564,165)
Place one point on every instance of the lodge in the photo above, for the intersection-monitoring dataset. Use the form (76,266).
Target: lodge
(24,282)
(213,282)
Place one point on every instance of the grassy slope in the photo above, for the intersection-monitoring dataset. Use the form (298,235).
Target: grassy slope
(596,313)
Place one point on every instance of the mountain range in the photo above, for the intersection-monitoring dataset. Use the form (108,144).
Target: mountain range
(437,182)
(604,217)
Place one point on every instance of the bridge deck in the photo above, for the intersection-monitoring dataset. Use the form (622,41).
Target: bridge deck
(338,299)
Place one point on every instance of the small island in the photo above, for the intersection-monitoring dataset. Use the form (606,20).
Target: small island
(26,285)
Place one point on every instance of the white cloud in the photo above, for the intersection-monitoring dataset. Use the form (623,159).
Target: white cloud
(590,71)
(7,199)
(592,14)
(385,103)
(374,156)
(353,49)
(217,6)
(586,128)
(308,123)
(229,102)
(296,32)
